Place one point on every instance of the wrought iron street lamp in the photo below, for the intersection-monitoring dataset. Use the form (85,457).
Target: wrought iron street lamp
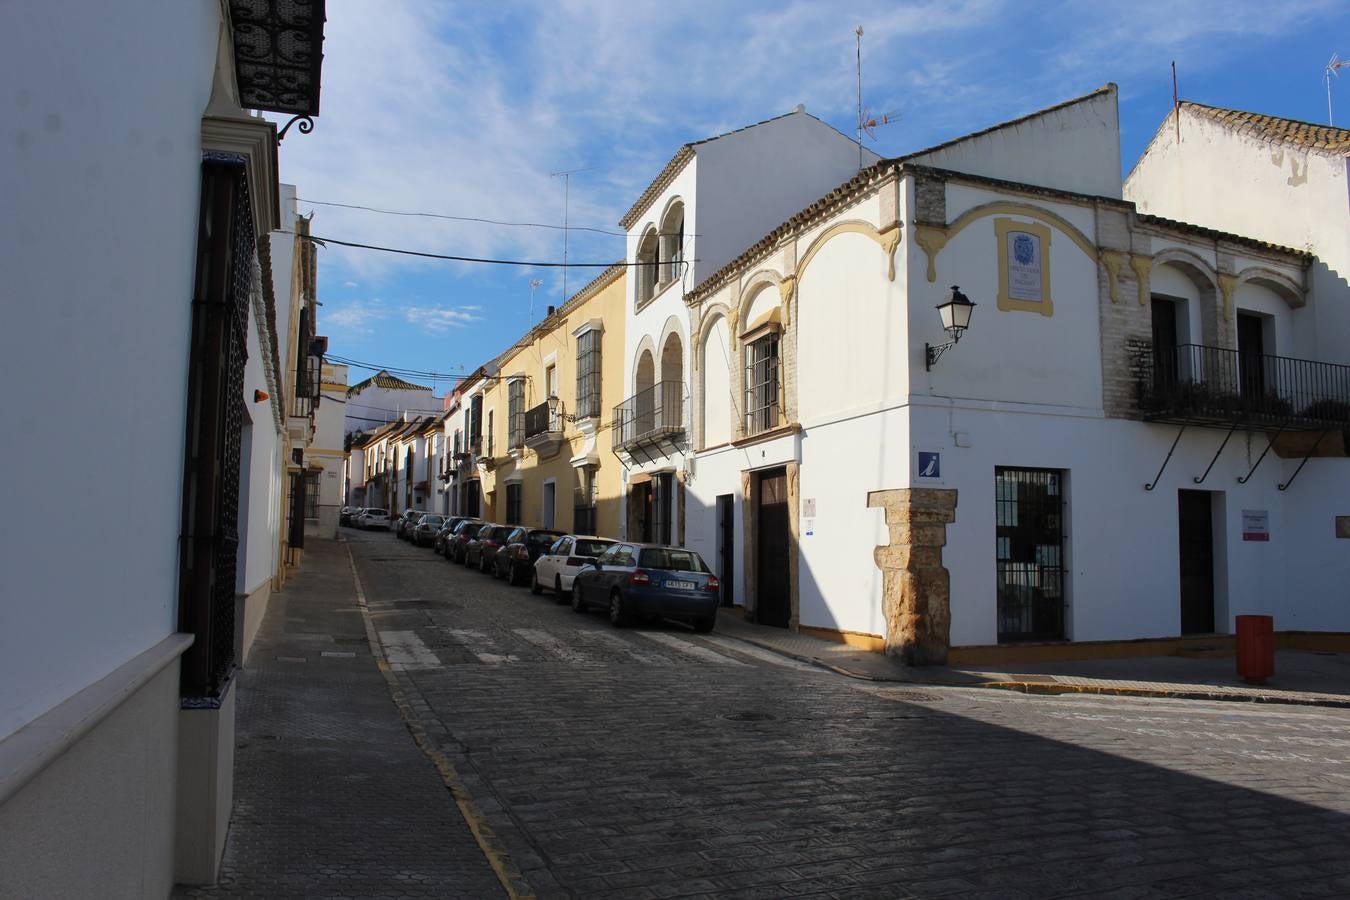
(955,312)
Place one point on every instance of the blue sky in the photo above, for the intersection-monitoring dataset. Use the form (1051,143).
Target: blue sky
(464,109)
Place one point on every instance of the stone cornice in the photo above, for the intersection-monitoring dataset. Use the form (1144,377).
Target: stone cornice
(256,140)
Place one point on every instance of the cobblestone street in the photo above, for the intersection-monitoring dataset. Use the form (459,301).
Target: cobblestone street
(651,762)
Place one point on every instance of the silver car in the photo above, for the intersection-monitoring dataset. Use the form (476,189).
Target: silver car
(373,517)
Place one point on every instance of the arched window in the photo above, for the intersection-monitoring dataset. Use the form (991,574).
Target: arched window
(644,399)
(672,243)
(671,392)
(646,266)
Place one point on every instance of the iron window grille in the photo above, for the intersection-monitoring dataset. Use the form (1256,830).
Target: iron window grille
(515,415)
(476,425)
(513,504)
(761,385)
(1029,519)
(588,375)
(311,495)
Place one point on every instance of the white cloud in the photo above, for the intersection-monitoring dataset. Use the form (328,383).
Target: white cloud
(353,317)
(440,319)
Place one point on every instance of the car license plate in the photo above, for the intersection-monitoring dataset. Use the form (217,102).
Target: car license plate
(681,585)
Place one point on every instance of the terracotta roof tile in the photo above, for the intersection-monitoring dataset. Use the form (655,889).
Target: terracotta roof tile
(1276,128)
(385,380)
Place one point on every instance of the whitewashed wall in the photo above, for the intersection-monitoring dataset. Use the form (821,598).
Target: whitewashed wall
(1025,151)
(117,138)
(1238,183)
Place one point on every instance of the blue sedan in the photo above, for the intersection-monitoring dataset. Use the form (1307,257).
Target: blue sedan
(649,580)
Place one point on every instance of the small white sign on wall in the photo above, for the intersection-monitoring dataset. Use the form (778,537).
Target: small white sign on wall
(1255,525)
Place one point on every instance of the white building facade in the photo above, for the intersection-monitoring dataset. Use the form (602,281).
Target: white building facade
(117,675)
(714,197)
(1105,455)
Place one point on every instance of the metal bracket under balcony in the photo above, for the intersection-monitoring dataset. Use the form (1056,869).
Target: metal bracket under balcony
(544,427)
(1219,388)
(650,424)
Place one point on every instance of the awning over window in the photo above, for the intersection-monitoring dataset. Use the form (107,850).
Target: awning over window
(278,54)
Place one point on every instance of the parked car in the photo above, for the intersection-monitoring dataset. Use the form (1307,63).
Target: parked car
(458,541)
(650,580)
(405,523)
(345,515)
(448,526)
(556,568)
(424,532)
(373,517)
(482,549)
(515,560)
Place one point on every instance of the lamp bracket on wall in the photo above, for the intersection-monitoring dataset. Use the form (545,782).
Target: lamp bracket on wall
(933,352)
(305,127)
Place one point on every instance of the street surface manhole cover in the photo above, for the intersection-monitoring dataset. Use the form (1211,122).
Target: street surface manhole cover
(749,716)
(913,696)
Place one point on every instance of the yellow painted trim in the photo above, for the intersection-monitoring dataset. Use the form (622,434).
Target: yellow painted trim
(887,239)
(1227,284)
(1219,645)
(1112,260)
(869,642)
(333,388)
(933,238)
(1141,265)
(1046,305)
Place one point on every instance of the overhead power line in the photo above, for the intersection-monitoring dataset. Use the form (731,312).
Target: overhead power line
(429,215)
(322,241)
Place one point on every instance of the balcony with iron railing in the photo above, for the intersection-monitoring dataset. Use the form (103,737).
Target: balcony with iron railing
(651,417)
(543,427)
(1214,386)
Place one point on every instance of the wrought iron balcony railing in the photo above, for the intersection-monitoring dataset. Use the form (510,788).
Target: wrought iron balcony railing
(651,415)
(1193,384)
(546,418)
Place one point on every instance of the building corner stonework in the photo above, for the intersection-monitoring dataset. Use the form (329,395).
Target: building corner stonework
(916,587)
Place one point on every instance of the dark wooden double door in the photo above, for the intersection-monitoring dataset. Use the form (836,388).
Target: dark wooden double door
(1195,530)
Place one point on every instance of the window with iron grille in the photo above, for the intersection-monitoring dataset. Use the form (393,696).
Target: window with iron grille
(515,414)
(513,503)
(584,502)
(1029,520)
(476,424)
(311,495)
(588,374)
(761,385)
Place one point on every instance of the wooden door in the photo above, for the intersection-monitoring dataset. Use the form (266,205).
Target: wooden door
(726,547)
(773,601)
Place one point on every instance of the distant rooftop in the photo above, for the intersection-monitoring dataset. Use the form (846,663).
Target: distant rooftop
(1276,128)
(385,380)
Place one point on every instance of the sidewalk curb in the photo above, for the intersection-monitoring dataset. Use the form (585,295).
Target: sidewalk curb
(1054,689)
(508,874)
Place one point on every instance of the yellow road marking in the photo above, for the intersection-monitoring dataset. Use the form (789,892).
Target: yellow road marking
(512,881)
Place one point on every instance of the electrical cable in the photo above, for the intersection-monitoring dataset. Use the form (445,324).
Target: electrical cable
(324,241)
(428,215)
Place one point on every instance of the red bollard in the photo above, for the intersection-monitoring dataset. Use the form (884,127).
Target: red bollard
(1255,648)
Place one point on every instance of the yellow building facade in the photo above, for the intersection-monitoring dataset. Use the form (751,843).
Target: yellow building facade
(545,457)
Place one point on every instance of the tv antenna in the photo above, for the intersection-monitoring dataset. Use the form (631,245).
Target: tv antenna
(1334,65)
(567,187)
(534,286)
(867,125)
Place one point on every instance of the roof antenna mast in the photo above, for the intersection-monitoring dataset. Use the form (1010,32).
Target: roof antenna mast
(567,186)
(1334,65)
(859,32)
